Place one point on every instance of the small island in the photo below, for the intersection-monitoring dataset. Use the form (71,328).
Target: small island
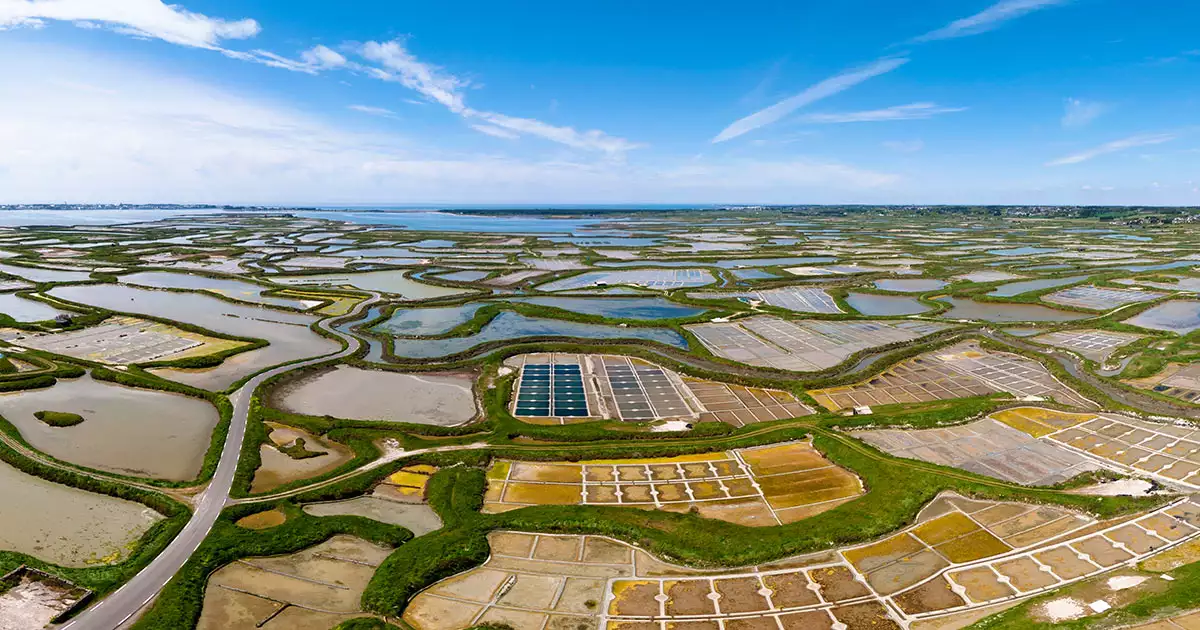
(59,418)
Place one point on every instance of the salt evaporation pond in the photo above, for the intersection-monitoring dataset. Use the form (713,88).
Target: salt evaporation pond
(126,430)
(993,312)
(67,526)
(509,325)
(428,321)
(26,310)
(288,333)
(1181,317)
(617,308)
(236,289)
(870,304)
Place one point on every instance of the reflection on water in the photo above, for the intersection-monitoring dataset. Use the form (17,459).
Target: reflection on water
(617,308)
(374,346)
(427,321)
(869,304)
(38,274)
(1023,251)
(1017,288)
(236,289)
(26,310)
(391,281)
(988,311)
(509,325)
(467,275)
(910,285)
(287,332)
(734,263)
(1176,316)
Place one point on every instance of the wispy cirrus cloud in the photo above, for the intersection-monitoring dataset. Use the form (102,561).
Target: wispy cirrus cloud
(387,61)
(125,132)
(912,111)
(1115,146)
(425,79)
(1081,113)
(824,89)
(143,18)
(495,132)
(988,19)
(436,85)
(311,61)
(372,110)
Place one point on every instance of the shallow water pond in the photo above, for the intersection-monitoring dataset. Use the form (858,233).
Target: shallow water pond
(1017,288)
(753,274)
(38,274)
(139,432)
(618,308)
(467,275)
(277,468)
(67,526)
(910,285)
(288,333)
(1022,251)
(387,281)
(380,252)
(509,325)
(735,263)
(358,394)
(428,321)
(26,310)
(992,312)
(374,346)
(1182,316)
(236,289)
(870,304)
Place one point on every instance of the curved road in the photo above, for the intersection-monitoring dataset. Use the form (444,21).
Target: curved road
(114,610)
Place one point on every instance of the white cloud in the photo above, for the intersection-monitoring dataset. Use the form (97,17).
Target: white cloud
(814,93)
(144,18)
(912,111)
(904,146)
(444,88)
(20,22)
(1081,113)
(125,133)
(372,110)
(594,140)
(1113,147)
(172,23)
(311,61)
(427,80)
(323,57)
(988,19)
(495,132)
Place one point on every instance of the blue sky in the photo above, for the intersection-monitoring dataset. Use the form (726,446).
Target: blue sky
(367,102)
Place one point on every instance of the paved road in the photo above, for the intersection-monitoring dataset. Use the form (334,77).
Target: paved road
(118,607)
